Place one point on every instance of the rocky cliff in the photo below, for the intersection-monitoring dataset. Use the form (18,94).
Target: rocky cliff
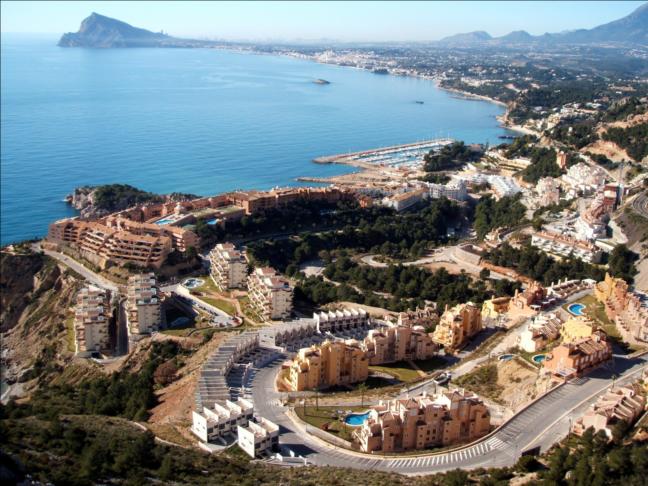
(37,300)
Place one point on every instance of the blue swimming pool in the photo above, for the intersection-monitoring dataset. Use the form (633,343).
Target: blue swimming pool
(164,221)
(356,419)
(576,309)
(539,358)
(506,357)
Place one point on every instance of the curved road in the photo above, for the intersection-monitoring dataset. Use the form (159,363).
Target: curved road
(541,424)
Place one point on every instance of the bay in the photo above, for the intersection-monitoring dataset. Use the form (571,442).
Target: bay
(202,121)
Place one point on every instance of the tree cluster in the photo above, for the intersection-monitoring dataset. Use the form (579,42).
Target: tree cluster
(450,157)
(490,214)
(539,266)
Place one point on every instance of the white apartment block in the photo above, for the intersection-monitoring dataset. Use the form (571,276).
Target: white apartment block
(228,266)
(270,294)
(454,189)
(548,191)
(222,419)
(341,320)
(562,245)
(91,321)
(259,437)
(584,178)
(143,306)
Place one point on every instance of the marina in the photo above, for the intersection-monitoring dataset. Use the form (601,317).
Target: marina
(394,156)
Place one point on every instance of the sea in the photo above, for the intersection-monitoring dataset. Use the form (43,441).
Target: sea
(200,121)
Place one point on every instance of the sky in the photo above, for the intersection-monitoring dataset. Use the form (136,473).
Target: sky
(343,21)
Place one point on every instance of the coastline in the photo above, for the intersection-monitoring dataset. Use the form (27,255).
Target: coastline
(502,119)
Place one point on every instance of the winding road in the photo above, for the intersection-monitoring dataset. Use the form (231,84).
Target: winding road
(541,424)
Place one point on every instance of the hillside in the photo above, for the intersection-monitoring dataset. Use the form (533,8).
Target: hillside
(631,29)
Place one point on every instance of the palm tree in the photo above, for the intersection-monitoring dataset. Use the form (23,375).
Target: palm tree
(362,387)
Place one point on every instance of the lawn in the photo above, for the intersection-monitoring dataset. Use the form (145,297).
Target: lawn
(321,416)
(223,305)
(401,370)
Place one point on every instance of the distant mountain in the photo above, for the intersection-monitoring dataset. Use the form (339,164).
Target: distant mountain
(103,32)
(516,36)
(476,37)
(631,29)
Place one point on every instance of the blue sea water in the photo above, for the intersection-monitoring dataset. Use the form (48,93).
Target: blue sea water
(195,120)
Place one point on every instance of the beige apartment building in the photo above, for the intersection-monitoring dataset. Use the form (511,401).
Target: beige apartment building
(330,364)
(92,317)
(421,422)
(623,404)
(270,294)
(143,306)
(398,343)
(228,267)
(457,325)
(625,308)
(103,245)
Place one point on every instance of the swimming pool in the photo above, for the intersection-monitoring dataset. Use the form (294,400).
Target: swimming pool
(506,357)
(539,358)
(165,221)
(356,419)
(192,283)
(576,309)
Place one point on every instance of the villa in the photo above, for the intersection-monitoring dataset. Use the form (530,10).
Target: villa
(544,329)
(259,437)
(571,359)
(341,320)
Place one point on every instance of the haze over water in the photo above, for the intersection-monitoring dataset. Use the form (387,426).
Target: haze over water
(195,120)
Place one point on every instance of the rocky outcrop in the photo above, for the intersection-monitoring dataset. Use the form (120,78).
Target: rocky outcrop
(99,31)
(37,301)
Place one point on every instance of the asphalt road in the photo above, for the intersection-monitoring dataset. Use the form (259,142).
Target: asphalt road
(85,272)
(543,423)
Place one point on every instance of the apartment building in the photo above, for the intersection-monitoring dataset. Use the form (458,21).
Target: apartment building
(455,189)
(258,438)
(330,364)
(573,359)
(563,245)
(421,422)
(584,178)
(210,423)
(622,404)
(457,325)
(542,330)
(104,245)
(627,309)
(228,267)
(92,317)
(397,343)
(270,294)
(341,320)
(404,200)
(255,201)
(494,307)
(143,305)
